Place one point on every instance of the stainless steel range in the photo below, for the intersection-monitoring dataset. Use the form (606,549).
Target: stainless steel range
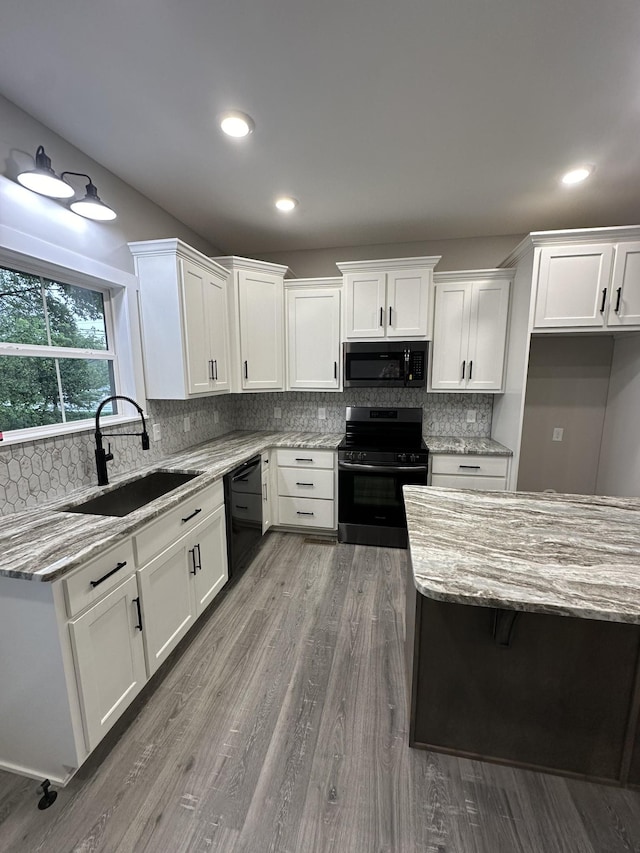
(382,451)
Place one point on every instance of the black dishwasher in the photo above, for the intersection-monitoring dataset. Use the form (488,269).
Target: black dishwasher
(243,508)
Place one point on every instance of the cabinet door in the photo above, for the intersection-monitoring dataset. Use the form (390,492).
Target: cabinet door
(217,323)
(407,303)
(365,305)
(487,335)
(313,339)
(109,659)
(167,599)
(450,336)
(195,300)
(573,286)
(624,305)
(208,559)
(261,337)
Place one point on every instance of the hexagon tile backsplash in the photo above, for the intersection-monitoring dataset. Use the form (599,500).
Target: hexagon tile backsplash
(35,471)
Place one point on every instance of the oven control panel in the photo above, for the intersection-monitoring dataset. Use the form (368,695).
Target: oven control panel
(383,458)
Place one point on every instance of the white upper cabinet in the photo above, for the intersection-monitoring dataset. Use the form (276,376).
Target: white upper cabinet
(470,330)
(587,284)
(183,305)
(313,335)
(387,298)
(256,324)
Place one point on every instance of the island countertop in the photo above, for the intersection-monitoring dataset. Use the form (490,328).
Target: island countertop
(45,542)
(570,555)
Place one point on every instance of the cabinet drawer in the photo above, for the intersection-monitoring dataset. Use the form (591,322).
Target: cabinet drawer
(246,506)
(306,458)
(306,512)
(172,524)
(464,464)
(294,482)
(469,481)
(99,576)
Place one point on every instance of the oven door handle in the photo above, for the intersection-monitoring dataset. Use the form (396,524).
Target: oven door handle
(380,469)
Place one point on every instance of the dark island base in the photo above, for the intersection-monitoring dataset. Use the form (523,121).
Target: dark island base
(551,693)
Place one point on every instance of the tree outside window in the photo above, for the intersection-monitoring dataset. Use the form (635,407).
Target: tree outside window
(56,361)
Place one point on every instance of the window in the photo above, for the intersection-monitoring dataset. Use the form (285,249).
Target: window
(56,351)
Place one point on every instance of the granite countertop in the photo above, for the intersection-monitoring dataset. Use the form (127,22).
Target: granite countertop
(452,444)
(570,555)
(44,542)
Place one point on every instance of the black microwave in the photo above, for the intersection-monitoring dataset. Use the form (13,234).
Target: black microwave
(400,364)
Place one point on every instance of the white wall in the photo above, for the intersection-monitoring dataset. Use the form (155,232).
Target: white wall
(45,219)
(567,386)
(465,254)
(619,471)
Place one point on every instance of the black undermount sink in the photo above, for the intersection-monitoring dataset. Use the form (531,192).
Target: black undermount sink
(131,496)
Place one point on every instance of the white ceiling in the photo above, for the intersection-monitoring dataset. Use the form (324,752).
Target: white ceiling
(413,120)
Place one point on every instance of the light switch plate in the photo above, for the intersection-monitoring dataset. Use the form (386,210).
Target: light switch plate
(187,424)
(558,434)
(277,413)
(322,414)
(471,416)
(157,432)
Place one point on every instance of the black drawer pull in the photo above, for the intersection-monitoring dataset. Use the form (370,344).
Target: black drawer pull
(192,551)
(108,574)
(305,484)
(389,314)
(604,299)
(470,466)
(619,296)
(464,364)
(137,603)
(193,514)
(215,369)
(302,459)
(241,506)
(305,513)
(246,370)
(335,369)
(470,369)
(381,316)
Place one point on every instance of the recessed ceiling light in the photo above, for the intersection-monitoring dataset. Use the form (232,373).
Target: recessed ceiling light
(237,124)
(286,203)
(576,176)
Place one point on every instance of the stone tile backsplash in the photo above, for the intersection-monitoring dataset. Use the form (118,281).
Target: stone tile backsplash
(36,471)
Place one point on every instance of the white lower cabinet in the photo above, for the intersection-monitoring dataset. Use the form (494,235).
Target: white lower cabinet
(109,657)
(178,584)
(469,471)
(306,488)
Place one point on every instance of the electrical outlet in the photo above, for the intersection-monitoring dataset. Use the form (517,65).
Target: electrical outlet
(471,416)
(157,433)
(322,414)
(187,424)
(558,433)
(277,413)
(216,417)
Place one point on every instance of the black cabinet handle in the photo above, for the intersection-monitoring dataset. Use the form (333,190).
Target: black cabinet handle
(137,603)
(470,369)
(381,315)
(617,308)
(303,459)
(604,299)
(246,370)
(474,467)
(192,551)
(304,484)
(108,574)
(193,514)
(389,314)
(216,364)
(464,364)
(305,513)
(335,369)
(211,376)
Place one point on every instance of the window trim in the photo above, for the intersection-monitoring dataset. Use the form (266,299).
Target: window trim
(37,257)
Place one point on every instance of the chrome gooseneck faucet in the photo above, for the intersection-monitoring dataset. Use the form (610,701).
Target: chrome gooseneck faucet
(103,457)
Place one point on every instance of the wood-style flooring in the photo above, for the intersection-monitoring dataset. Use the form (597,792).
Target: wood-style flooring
(282,726)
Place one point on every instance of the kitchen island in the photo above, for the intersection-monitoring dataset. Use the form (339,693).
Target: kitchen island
(523,629)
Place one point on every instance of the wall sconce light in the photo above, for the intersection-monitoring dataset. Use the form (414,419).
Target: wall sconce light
(91,206)
(43,179)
